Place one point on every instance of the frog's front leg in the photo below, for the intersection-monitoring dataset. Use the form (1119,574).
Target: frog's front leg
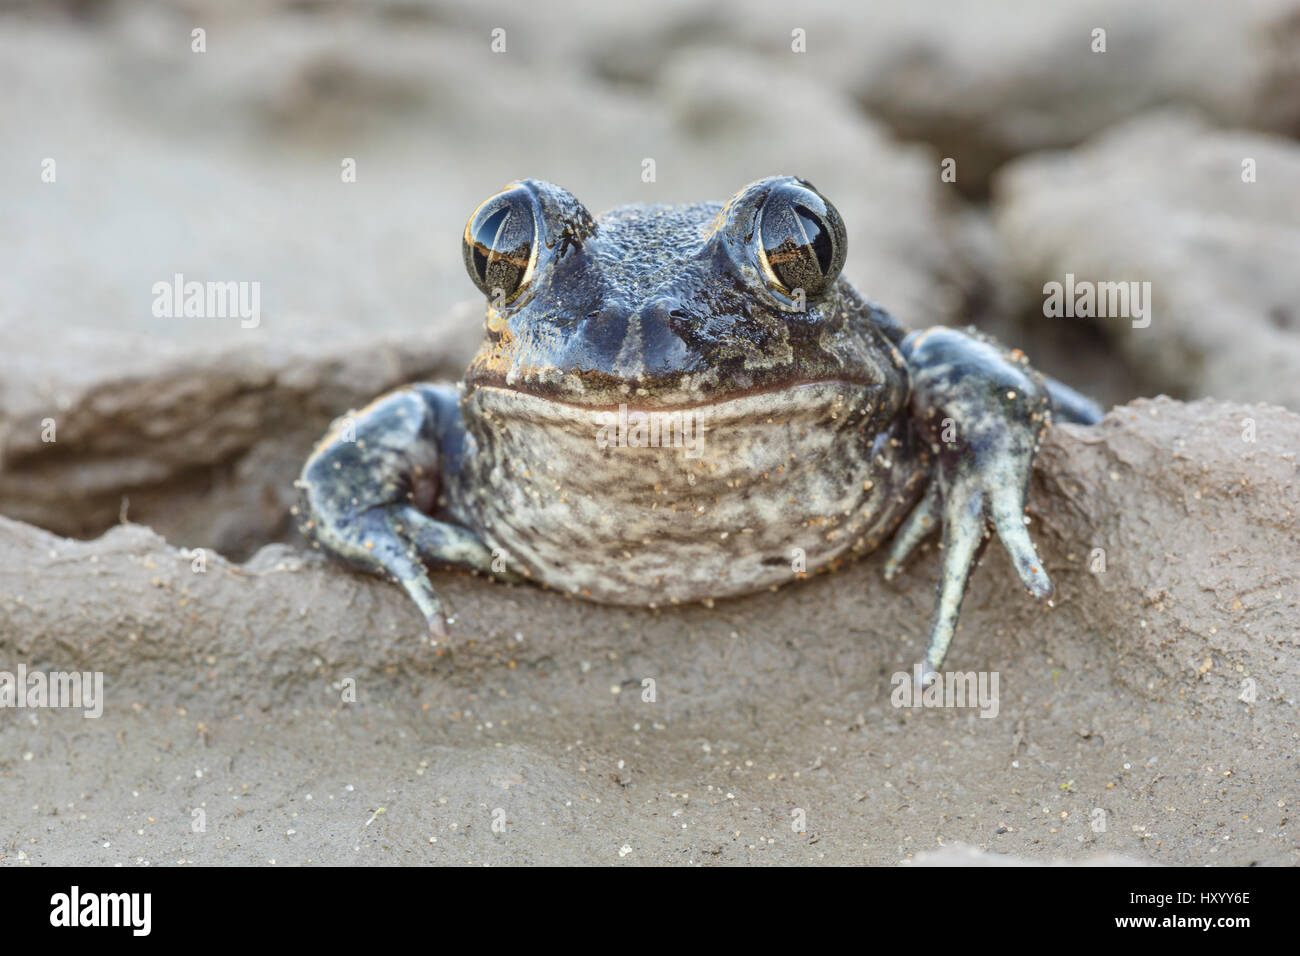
(983,410)
(367,491)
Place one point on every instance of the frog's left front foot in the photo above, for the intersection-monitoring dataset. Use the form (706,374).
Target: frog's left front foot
(366,493)
(983,411)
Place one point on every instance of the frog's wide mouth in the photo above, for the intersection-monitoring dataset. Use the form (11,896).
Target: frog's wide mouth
(602,393)
(813,398)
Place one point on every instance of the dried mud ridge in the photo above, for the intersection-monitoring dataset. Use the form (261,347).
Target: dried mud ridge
(1126,694)
(1192,509)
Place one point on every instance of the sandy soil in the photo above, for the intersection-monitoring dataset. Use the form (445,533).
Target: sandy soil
(225,693)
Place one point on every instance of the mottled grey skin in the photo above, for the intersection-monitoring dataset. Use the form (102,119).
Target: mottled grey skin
(821,426)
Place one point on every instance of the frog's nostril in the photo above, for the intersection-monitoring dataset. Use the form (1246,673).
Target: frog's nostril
(664,308)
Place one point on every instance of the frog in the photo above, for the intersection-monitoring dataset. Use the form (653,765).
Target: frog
(681,403)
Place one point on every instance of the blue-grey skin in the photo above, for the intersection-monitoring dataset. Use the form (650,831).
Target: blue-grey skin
(825,427)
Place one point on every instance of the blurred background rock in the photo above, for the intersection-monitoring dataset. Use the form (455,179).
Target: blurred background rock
(1123,165)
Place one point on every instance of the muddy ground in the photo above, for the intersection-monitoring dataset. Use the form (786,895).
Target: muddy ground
(1121,725)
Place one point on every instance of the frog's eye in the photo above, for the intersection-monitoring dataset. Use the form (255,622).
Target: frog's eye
(802,242)
(500,244)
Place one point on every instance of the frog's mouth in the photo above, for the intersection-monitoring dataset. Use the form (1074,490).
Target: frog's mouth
(599,391)
(816,402)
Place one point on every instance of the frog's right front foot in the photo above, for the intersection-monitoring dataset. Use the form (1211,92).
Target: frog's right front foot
(365,494)
(983,409)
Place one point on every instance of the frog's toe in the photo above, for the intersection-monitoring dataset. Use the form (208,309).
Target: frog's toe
(965,530)
(923,521)
(1009,520)
(438,630)
(438,541)
(420,590)
(394,542)
(1071,406)
(968,510)
(411,538)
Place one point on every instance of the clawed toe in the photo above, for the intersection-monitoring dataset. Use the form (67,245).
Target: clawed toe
(1009,520)
(969,514)
(922,522)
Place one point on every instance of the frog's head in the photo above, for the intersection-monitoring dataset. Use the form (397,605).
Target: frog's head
(660,306)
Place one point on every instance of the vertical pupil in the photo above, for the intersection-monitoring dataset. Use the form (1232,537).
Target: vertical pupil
(497,244)
(486,237)
(818,236)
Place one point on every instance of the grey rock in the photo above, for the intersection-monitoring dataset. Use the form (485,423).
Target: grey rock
(1161,199)
(987,83)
